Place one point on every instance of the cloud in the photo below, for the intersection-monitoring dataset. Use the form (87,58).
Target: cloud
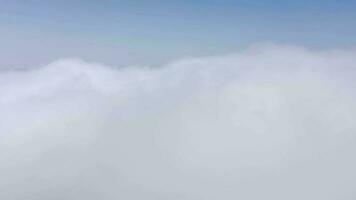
(270,122)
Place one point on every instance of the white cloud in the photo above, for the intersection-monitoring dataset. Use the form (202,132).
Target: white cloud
(272,122)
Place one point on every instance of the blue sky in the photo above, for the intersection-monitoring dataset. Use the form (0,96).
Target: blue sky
(34,32)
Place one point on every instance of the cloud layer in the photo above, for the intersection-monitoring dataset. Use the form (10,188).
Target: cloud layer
(271,122)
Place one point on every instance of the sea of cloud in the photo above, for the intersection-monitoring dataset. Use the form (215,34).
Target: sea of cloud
(270,122)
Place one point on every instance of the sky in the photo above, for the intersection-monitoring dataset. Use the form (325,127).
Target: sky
(126,32)
(177,100)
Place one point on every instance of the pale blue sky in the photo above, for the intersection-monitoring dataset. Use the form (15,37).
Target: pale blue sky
(34,32)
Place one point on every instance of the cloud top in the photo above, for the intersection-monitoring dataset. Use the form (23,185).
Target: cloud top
(271,122)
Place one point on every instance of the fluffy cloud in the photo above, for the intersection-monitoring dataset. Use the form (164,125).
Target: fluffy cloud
(271,122)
